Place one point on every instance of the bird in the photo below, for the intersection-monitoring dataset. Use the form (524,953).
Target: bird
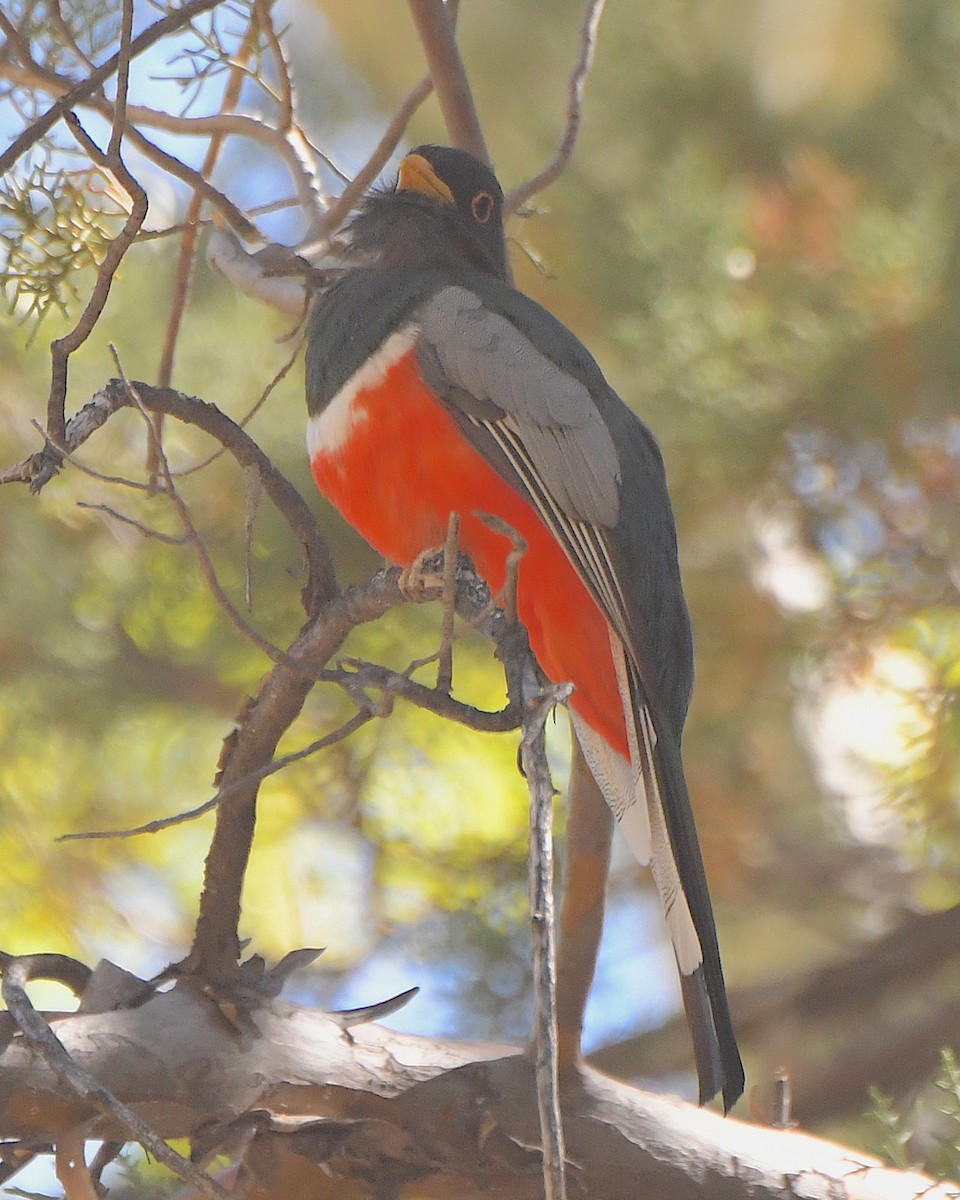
(434,387)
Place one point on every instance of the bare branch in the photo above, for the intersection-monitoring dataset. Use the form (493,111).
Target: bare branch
(58,968)
(17,972)
(451,551)
(62,348)
(222,203)
(36,470)
(533,760)
(264,15)
(290,145)
(337,213)
(449,76)
(555,168)
(233,614)
(269,715)
(357,721)
(354,676)
(287,145)
(22,47)
(170,539)
(250,413)
(188,245)
(123,82)
(67,34)
(71,1167)
(59,448)
(87,87)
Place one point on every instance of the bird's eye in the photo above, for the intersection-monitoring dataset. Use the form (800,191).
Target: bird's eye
(482,207)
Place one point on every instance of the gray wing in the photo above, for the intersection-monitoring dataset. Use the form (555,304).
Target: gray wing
(484,366)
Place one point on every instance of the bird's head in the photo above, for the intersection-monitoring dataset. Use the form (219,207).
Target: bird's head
(446,207)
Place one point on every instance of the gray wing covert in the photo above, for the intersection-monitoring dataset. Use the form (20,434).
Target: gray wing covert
(501,383)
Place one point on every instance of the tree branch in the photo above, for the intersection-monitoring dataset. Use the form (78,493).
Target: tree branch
(557,165)
(452,1118)
(533,760)
(87,87)
(36,470)
(85,1086)
(449,76)
(62,348)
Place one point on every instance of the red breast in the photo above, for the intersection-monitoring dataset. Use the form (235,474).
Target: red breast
(392,460)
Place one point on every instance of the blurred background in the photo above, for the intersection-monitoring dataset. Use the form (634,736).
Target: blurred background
(758,239)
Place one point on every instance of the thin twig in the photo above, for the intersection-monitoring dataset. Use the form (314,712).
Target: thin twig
(21,46)
(263,10)
(451,553)
(16,975)
(170,539)
(67,34)
(251,412)
(290,146)
(360,675)
(552,171)
(255,210)
(357,721)
(37,469)
(533,760)
(318,238)
(207,569)
(60,448)
(123,82)
(186,256)
(338,211)
(236,219)
(226,123)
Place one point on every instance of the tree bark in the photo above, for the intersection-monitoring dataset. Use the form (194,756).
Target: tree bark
(313,1103)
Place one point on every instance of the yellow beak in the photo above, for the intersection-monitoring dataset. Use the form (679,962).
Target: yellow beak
(416,175)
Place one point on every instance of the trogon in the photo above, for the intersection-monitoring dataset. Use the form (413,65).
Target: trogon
(434,387)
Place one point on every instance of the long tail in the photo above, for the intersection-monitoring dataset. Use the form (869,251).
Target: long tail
(649,797)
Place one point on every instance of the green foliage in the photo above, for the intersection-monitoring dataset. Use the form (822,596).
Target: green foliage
(946,1161)
(892,1135)
(926,1134)
(67,36)
(55,226)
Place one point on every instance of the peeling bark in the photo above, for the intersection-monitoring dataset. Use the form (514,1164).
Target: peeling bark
(308,1104)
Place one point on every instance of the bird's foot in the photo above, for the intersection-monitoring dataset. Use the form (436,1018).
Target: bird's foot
(423,577)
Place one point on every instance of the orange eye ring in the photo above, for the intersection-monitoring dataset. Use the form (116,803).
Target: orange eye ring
(482,207)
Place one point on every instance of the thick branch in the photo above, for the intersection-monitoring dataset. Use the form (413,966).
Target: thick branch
(267,718)
(409,1109)
(116,395)
(86,1088)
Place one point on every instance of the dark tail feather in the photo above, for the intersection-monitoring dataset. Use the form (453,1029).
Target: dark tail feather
(719,1068)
